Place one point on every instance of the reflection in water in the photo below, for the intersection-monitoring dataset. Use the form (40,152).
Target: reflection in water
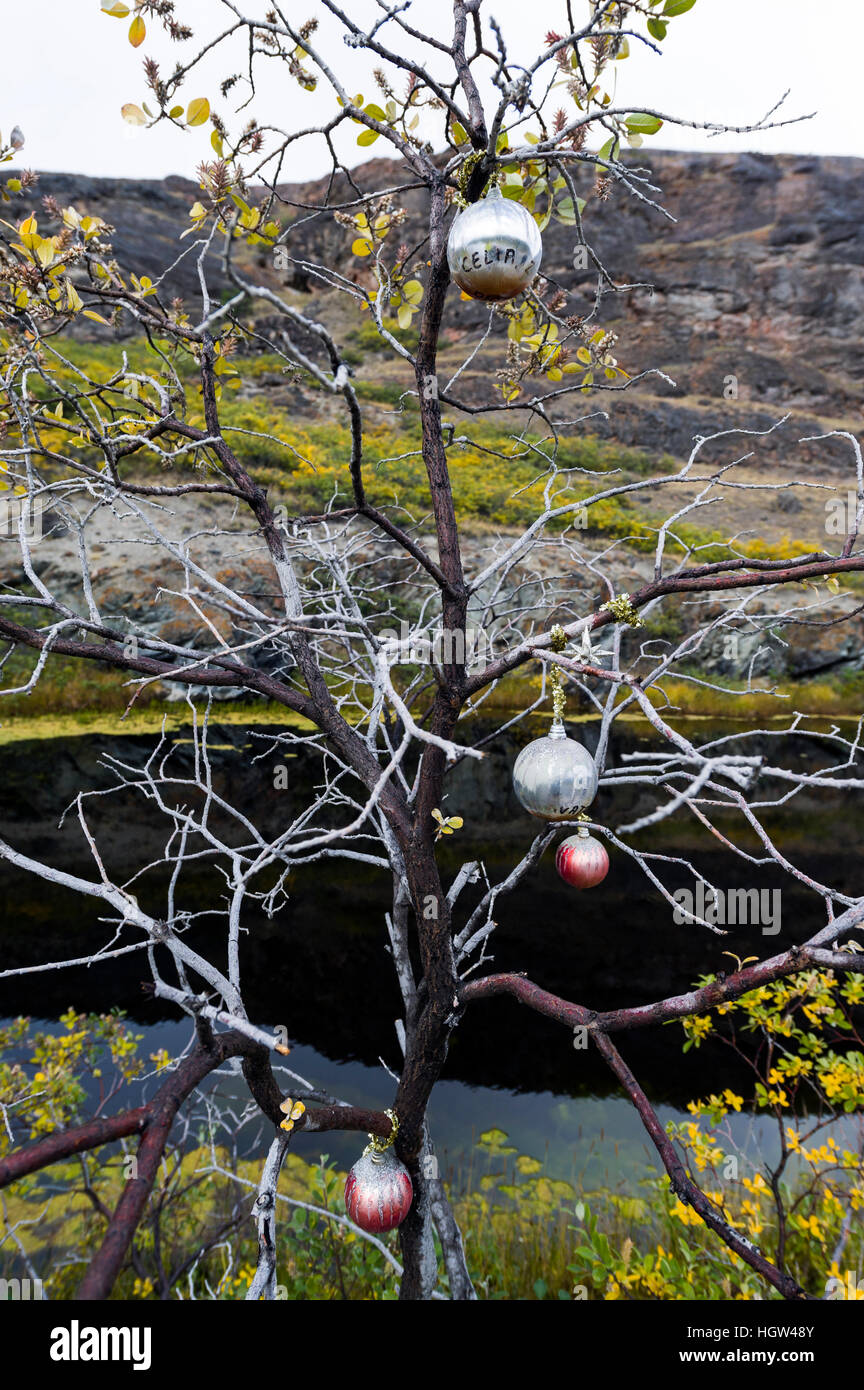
(321,967)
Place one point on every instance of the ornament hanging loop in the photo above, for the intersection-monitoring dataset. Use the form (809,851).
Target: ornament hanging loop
(468,168)
(377,1145)
(558,641)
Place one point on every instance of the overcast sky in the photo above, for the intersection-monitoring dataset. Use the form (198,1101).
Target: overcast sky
(68,69)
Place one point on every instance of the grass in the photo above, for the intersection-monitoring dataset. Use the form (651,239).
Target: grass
(497,479)
(95,703)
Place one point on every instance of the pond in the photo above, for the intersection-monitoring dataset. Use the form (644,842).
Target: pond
(321,970)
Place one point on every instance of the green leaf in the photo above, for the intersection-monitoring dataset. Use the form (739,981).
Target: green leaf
(527,1165)
(657,28)
(609,150)
(673,7)
(640,123)
(460,134)
(491,1138)
(566,213)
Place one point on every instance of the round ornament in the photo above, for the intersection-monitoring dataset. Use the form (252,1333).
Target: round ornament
(378,1192)
(555,777)
(378,1189)
(494,248)
(581,860)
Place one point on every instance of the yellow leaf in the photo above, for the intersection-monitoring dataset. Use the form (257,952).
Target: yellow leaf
(115,9)
(198,111)
(297,1110)
(216,142)
(197,211)
(133,114)
(368,137)
(137,31)
(361,247)
(91,226)
(456,822)
(91,314)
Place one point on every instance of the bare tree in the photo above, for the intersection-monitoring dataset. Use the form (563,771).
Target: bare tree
(459,111)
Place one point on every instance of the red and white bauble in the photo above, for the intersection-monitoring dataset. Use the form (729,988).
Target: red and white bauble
(378,1192)
(581,860)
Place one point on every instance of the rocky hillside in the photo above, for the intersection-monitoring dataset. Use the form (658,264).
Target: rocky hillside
(757,310)
(759,278)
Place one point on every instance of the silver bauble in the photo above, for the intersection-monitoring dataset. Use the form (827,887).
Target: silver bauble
(494,248)
(555,777)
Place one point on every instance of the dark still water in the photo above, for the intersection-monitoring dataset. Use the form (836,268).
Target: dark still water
(321,968)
